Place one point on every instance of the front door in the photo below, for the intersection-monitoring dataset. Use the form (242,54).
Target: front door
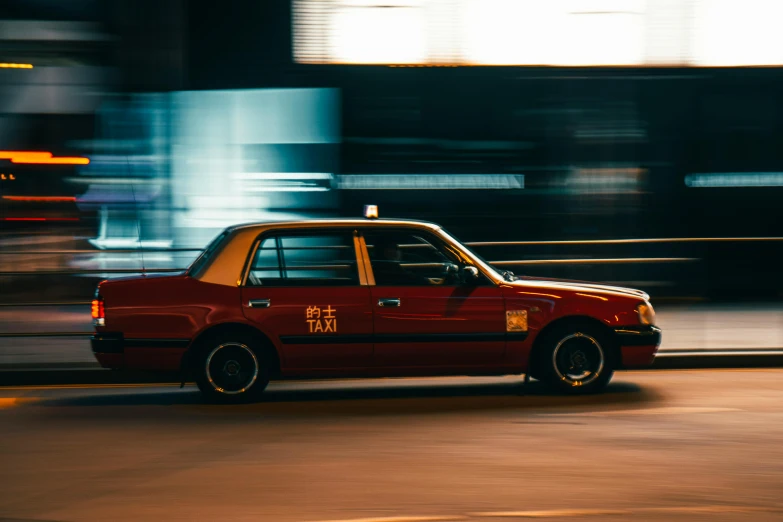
(426,316)
(303,289)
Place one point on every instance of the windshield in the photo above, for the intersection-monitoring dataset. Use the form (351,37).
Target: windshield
(505,274)
(207,254)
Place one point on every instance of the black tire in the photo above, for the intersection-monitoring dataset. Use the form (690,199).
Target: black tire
(576,358)
(231,368)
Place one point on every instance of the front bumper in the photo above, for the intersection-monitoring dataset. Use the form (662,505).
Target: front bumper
(642,335)
(638,345)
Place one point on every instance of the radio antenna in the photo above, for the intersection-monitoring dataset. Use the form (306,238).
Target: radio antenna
(138,221)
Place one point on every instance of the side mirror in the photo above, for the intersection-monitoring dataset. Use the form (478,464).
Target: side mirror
(470,274)
(451,268)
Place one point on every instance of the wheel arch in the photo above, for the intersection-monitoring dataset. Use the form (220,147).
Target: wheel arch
(228,328)
(570,321)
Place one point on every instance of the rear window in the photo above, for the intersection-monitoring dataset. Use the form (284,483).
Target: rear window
(208,253)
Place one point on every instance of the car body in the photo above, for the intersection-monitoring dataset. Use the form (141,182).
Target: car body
(362,298)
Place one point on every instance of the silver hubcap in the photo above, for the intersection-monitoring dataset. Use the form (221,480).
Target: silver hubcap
(232,368)
(578,359)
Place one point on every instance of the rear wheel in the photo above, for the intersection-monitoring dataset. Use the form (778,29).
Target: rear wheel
(577,358)
(231,368)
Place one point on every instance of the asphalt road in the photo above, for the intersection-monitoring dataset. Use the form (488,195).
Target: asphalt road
(666,445)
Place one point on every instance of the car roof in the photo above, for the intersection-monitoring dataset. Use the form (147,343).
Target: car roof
(226,265)
(335,222)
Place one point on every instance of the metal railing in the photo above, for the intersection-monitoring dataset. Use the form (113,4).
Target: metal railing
(470,244)
(45,334)
(596,261)
(85,251)
(623,241)
(474,244)
(479,244)
(38,305)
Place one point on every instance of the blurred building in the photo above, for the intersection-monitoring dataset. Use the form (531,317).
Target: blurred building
(205,160)
(548,120)
(501,119)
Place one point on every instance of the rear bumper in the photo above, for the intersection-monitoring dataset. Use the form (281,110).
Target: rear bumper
(109,349)
(638,345)
(107,343)
(113,350)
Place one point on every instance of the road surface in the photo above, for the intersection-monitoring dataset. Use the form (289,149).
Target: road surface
(665,445)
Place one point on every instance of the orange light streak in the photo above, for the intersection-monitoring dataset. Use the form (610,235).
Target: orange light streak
(38,219)
(41,158)
(40,198)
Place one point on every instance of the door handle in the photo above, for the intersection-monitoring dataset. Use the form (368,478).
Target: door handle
(389,301)
(259,303)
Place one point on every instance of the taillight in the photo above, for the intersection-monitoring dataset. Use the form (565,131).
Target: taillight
(98,312)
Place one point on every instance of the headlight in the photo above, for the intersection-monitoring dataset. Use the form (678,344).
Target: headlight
(646,313)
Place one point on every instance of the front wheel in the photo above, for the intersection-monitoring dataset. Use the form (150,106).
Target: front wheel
(230,369)
(577,359)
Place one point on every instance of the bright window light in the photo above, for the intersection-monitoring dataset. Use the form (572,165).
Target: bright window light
(363,32)
(735,179)
(284,175)
(731,33)
(539,32)
(284,181)
(503,32)
(607,32)
(431,181)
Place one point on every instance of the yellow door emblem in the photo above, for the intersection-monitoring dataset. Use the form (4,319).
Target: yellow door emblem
(321,320)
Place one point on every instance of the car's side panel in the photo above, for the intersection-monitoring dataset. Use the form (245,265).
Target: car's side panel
(153,358)
(159,317)
(539,309)
(436,331)
(546,304)
(556,301)
(439,326)
(315,327)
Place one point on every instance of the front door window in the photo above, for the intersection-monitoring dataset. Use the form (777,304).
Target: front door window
(413,258)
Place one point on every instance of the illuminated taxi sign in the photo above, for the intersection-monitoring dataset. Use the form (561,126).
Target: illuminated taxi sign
(371,211)
(321,320)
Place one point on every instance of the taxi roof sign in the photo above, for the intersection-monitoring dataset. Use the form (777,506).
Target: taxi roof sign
(371,211)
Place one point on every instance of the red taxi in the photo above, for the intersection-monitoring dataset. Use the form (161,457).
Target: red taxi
(363,298)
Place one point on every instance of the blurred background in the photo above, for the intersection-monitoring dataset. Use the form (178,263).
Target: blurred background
(633,142)
(637,142)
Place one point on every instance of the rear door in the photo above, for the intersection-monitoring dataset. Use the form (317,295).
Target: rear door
(425,315)
(303,289)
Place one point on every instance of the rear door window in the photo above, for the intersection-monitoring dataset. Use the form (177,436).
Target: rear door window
(305,260)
